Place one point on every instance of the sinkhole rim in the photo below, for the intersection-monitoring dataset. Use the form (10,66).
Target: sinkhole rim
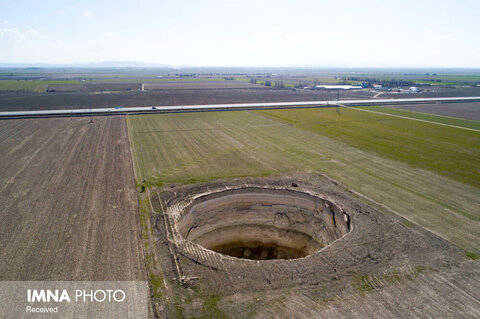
(263,224)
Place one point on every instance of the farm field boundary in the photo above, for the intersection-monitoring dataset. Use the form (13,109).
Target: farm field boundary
(417,116)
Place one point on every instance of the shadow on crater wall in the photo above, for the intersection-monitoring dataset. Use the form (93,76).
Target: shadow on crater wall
(263,224)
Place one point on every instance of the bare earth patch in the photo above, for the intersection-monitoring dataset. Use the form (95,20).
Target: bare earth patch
(68,206)
(381,258)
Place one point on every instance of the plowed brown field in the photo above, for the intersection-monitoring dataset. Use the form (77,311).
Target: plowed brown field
(68,208)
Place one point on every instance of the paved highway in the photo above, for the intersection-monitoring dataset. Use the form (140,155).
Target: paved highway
(187,108)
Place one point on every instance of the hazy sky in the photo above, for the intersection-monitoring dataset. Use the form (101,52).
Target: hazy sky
(244,32)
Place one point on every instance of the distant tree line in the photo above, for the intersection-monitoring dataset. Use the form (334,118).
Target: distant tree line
(277,85)
(301,85)
(431,80)
(385,83)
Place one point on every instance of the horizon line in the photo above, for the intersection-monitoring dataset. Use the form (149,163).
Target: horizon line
(139,64)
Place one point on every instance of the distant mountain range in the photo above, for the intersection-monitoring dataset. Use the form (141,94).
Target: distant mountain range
(220,69)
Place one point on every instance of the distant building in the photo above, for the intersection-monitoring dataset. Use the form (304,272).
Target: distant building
(377,86)
(338,87)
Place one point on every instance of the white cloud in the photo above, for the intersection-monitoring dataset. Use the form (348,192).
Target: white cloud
(440,37)
(30,35)
(447,36)
(12,33)
(108,34)
(87,13)
(17,33)
(344,18)
(31,32)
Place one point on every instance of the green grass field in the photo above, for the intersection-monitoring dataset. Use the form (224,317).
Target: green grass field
(21,85)
(41,85)
(425,172)
(31,85)
(166,79)
(426,116)
(445,78)
(451,152)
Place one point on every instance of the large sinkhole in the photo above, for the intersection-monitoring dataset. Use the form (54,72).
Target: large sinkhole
(262,224)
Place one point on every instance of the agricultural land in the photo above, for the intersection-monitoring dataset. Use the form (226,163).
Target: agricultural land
(424,173)
(320,212)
